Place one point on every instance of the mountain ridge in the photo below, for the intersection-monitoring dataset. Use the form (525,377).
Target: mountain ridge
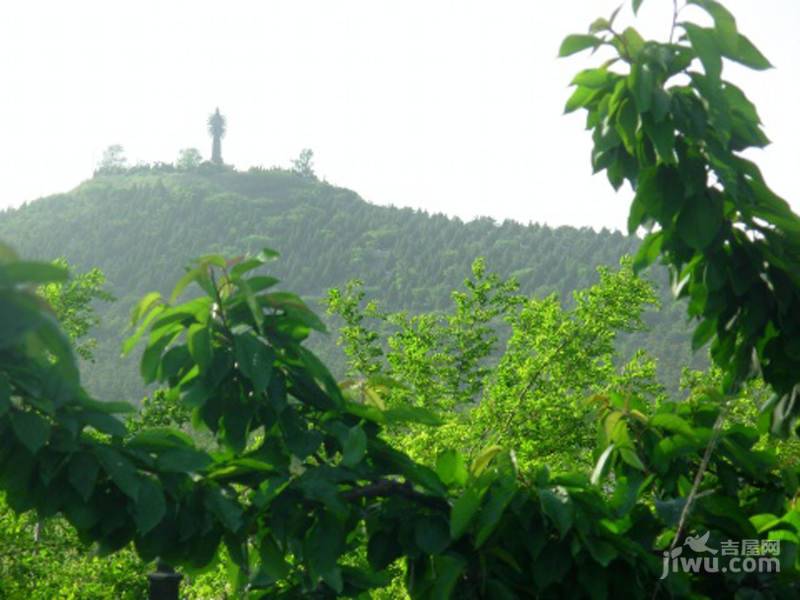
(142,225)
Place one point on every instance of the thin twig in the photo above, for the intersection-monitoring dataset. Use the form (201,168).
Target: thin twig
(698,478)
(675,12)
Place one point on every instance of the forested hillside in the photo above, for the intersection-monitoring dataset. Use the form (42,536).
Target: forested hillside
(137,225)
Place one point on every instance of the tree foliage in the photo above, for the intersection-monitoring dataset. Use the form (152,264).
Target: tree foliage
(306,495)
(676,133)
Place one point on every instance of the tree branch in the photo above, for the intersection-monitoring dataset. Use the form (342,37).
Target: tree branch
(386,488)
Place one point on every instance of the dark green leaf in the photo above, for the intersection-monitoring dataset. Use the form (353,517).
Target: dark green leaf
(497,500)
(183,460)
(82,473)
(105,423)
(255,360)
(5,394)
(557,505)
(464,510)
(272,559)
(226,510)
(120,470)
(31,429)
(325,543)
(150,507)
(432,535)
(448,571)
(699,221)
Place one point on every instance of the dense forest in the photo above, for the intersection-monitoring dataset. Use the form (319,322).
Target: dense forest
(138,225)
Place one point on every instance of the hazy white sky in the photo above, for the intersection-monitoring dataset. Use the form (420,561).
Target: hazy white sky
(451,106)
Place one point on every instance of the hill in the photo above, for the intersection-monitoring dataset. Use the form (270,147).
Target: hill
(141,225)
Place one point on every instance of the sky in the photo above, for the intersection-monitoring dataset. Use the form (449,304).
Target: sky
(453,107)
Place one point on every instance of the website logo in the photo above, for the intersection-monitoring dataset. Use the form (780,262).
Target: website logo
(732,556)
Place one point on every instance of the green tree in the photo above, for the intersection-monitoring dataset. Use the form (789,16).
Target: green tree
(113,160)
(217,126)
(308,498)
(73,304)
(677,134)
(303,165)
(188,159)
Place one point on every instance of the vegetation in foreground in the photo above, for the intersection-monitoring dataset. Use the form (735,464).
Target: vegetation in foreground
(302,482)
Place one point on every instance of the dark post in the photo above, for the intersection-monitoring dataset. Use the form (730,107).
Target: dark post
(164,583)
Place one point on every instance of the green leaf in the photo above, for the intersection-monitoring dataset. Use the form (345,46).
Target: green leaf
(325,543)
(699,221)
(672,422)
(602,463)
(354,447)
(183,460)
(577,42)
(432,534)
(412,414)
(226,510)
(498,497)
(592,78)
(648,252)
(580,97)
(150,507)
(451,468)
(448,570)
(636,5)
(629,456)
(82,473)
(5,394)
(255,360)
(633,41)
(724,23)
(120,470)
(272,559)
(601,551)
(705,45)
(627,124)
(662,135)
(104,423)
(703,332)
(464,510)
(161,437)
(199,341)
(642,86)
(21,271)
(483,459)
(382,549)
(557,505)
(31,430)
(747,54)
(143,306)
